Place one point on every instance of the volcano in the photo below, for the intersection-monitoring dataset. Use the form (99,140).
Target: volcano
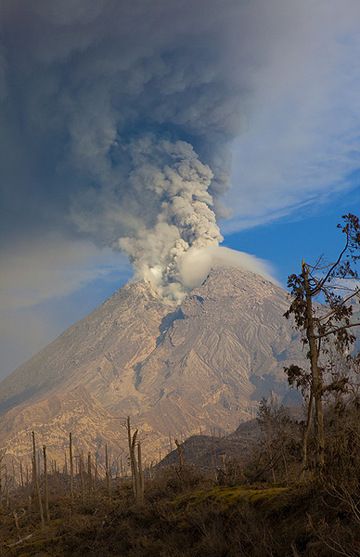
(201,366)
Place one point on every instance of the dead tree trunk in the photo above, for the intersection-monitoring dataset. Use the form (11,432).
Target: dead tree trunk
(180,452)
(36,485)
(71,462)
(21,475)
(107,472)
(305,463)
(136,465)
(131,442)
(89,473)
(140,496)
(316,375)
(81,473)
(46,484)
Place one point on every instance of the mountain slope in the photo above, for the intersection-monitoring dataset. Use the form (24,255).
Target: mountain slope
(204,364)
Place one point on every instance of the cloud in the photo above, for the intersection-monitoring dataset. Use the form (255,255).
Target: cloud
(120,115)
(274,84)
(264,95)
(45,285)
(53,267)
(21,335)
(197,262)
(302,142)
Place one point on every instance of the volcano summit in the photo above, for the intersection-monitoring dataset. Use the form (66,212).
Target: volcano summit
(175,370)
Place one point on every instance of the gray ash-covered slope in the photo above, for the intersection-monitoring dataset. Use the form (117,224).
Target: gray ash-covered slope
(208,451)
(204,364)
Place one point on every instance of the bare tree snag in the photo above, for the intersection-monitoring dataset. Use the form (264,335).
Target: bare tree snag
(36,485)
(46,484)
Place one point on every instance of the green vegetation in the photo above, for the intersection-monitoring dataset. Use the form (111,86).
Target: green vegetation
(189,519)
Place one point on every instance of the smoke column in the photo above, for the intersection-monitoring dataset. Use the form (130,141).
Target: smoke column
(180,183)
(129,108)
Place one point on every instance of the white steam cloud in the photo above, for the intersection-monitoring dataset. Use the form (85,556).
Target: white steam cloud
(196,264)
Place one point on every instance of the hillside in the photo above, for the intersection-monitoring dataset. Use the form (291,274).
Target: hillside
(175,370)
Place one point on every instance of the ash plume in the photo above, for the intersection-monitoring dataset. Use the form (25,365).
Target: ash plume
(93,91)
(134,104)
(179,183)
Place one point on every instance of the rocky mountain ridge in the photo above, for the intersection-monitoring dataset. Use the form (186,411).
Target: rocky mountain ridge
(175,370)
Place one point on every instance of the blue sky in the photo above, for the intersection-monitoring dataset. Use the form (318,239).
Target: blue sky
(306,234)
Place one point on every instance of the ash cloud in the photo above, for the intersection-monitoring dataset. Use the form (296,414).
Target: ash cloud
(118,119)
(122,115)
(178,182)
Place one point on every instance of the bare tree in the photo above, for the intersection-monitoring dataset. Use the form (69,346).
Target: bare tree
(323,311)
(136,464)
(36,484)
(46,484)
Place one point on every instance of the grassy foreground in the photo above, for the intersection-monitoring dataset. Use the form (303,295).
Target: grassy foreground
(191,518)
